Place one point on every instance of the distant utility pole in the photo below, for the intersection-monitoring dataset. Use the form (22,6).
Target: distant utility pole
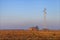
(45,18)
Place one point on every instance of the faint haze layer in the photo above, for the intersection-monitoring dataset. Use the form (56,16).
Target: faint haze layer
(22,14)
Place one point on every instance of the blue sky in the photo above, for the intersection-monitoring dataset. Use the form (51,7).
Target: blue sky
(17,14)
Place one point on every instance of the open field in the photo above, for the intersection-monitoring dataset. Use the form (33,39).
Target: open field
(29,34)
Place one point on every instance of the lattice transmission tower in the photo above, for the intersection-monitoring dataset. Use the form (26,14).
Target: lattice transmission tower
(45,13)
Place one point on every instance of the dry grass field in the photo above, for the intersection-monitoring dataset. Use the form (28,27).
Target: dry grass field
(29,34)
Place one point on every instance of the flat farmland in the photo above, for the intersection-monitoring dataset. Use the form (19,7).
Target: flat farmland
(29,34)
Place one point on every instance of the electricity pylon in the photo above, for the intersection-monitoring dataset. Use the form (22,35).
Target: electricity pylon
(45,13)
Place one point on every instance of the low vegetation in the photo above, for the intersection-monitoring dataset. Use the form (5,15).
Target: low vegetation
(29,35)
